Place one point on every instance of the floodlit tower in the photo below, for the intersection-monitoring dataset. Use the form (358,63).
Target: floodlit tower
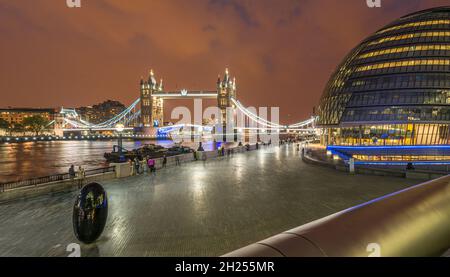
(146,101)
(152,107)
(226,89)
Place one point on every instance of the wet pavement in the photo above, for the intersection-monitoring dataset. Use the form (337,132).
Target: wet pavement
(197,209)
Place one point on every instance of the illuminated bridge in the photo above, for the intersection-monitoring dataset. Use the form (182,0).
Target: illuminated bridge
(146,114)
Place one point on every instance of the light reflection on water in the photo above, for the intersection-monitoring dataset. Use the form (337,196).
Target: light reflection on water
(37,159)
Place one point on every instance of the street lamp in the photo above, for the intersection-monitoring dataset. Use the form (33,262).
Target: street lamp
(120,128)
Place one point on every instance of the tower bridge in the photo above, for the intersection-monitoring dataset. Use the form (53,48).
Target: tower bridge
(146,114)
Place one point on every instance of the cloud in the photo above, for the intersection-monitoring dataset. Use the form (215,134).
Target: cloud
(281,51)
(242,10)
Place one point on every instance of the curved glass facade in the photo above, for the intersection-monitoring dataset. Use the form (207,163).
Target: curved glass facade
(394,87)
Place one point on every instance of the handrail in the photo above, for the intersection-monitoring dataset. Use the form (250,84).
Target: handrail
(51,178)
(414,222)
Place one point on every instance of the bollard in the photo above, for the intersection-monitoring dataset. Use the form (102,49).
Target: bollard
(352,166)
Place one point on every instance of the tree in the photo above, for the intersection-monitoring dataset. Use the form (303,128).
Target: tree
(4,125)
(16,128)
(36,123)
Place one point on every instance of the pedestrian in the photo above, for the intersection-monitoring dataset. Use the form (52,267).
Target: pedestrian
(164,161)
(72,172)
(81,175)
(137,166)
(151,166)
(196,153)
(144,164)
(131,168)
(177,160)
(410,166)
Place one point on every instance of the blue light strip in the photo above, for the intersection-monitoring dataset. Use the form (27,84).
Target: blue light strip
(403,163)
(403,147)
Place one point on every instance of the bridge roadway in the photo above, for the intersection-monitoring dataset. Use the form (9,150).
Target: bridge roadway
(197,209)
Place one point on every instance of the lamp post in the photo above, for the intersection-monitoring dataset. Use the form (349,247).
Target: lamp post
(119,129)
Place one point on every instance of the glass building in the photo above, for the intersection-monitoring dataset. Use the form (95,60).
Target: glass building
(393,89)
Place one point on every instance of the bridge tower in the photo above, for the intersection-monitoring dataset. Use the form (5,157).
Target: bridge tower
(226,89)
(59,123)
(152,108)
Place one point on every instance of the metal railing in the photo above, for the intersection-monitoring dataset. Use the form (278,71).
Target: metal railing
(414,222)
(51,178)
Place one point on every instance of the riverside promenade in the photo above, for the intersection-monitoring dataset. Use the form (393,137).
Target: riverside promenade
(201,208)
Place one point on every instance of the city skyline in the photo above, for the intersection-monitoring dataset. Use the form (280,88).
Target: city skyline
(75,57)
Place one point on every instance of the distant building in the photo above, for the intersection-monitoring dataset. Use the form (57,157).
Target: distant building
(17,115)
(101,112)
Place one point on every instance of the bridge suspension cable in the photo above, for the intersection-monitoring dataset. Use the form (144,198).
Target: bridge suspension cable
(256,118)
(126,116)
(308,122)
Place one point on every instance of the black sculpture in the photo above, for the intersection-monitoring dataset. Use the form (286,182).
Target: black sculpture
(90,213)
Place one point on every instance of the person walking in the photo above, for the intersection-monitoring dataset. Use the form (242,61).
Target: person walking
(131,168)
(81,176)
(72,172)
(151,166)
(137,166)
(164,161)
(410,166)
(177,160)
(196,155)
(144,164)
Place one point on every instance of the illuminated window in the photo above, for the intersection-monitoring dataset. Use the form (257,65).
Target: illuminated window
(403,64)
(415,24)
(405,49)
(409,36)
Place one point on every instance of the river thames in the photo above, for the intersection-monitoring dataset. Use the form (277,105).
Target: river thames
(37,159)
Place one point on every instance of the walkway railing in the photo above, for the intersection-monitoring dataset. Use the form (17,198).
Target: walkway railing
(52,178)
(414,222)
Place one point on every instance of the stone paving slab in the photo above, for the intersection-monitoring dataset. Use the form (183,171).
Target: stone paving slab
(197,209)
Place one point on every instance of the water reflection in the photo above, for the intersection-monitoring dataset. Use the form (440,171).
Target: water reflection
(37,159)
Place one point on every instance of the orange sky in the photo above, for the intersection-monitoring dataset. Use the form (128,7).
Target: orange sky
(281,51)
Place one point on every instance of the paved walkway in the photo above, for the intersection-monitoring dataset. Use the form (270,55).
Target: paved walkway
(197,209)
